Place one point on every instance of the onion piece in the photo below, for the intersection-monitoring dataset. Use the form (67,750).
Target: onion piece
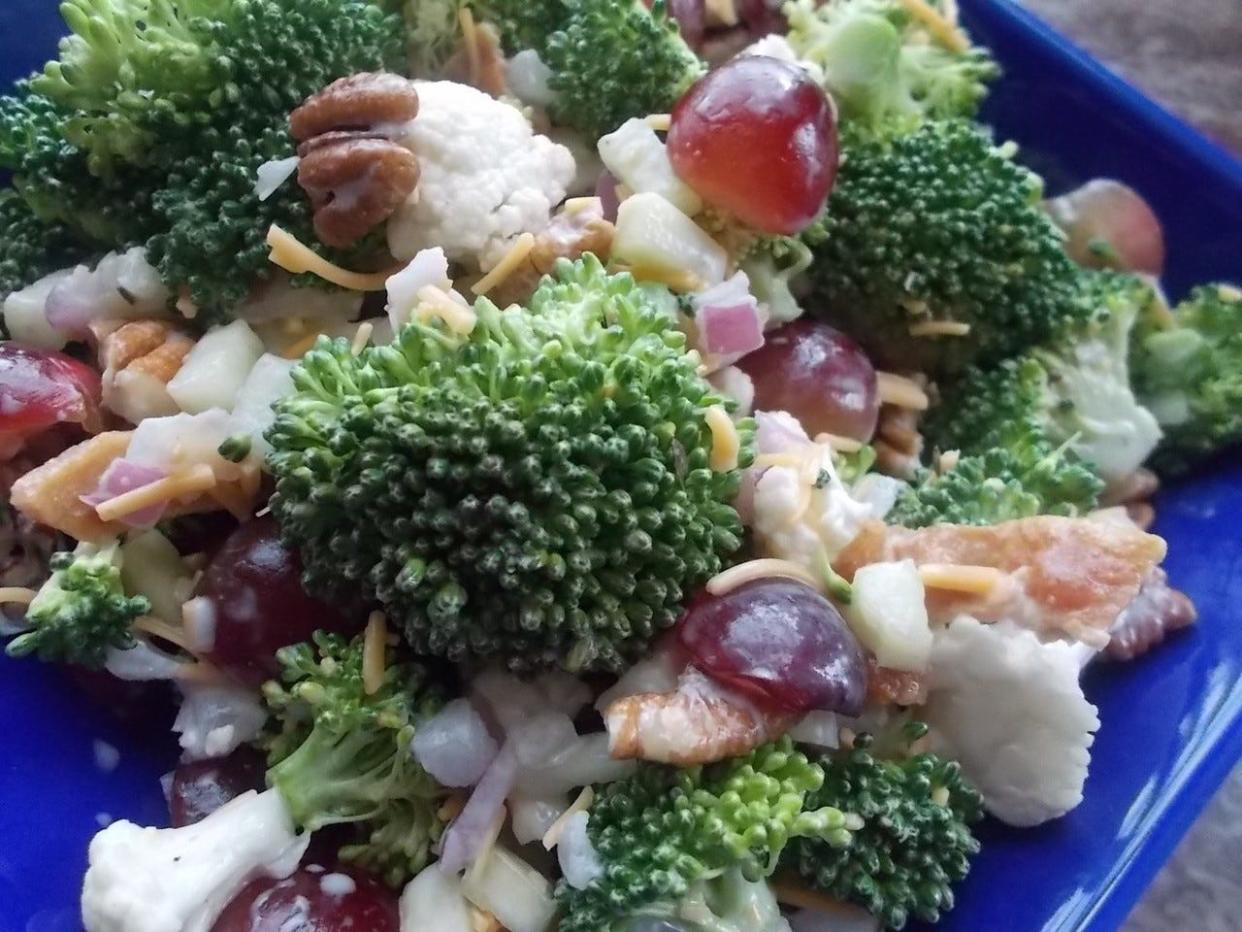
(121,286)
(464,838)
(818,728)
(428,267)
(511,890)
(272,174)
(433,902)
(580,862)
(584,762)
(533,816)
(123,476)
(541,737)
(530,79)
(142,662)
(454,745)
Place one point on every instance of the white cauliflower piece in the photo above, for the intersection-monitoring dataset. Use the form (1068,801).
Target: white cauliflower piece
(178,879)
(216,718)
(1010,709)
(802,518)
(485,177)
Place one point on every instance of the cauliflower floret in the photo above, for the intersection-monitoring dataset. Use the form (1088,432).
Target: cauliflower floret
(485,177)
(178,879)
(1010,709)
(804,514)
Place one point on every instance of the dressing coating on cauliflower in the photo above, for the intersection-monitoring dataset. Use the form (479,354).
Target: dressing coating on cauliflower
(487,177)
(1010,709)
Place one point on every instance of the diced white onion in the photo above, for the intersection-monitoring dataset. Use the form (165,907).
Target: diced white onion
(454,745)
(511,890)
(533,816)
(464,838)
(580,862)
(528,77)
(819,728)
(25,314)
(214,371)
(584,762)
(433,902)
(428,267)
(272,174)
(121,286)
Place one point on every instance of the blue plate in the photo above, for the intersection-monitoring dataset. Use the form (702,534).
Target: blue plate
(1172,722)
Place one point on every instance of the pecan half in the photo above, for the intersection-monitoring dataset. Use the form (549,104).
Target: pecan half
(355,173)
(1157,610)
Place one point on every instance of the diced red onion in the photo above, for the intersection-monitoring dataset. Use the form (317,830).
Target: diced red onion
(606,191)
(730,330)
(123,476)
(454,745)
(461,842)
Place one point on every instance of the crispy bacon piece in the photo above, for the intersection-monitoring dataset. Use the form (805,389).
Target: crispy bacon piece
(1063,575)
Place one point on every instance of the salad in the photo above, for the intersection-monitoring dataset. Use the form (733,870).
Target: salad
(594,466)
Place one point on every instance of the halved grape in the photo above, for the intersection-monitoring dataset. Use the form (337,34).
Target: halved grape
(1110,225)
(817,374)
(201,787)
(757,138)
(780,643)
(332,900)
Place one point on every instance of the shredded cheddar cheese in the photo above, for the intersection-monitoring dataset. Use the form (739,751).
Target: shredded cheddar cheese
(751,570)
(838,443)
(939,328)
(361,337)
(901,392)
(790,460)
(435,302)
(553,835)
(576,205)
(16,595)
(725,442)
(374,650)
(960,577)
(469,35)
(512,260)
(288,252)
(193,481)
(660,122)
(157,627)
(941,29)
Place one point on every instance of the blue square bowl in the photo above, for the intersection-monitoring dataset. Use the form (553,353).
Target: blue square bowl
(1172,722)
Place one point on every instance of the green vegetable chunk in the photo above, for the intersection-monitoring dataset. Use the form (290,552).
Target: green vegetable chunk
(1188,370)
(915,841)
(660,831)
(82,610)
(940,227)
(537,493)
(341,755)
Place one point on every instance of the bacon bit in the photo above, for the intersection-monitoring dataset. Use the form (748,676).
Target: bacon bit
(374,653)
(739,575)
(886,686)
(1068,576)
(901,392)
(185,484)
(939,328)
(16,595)
(50,494)
(553,835)
(1156,611)
(697,724)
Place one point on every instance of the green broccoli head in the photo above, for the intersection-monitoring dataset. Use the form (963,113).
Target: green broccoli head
(1073,392)
(663,829)
(538,492)
(82,611)
(342,755)
(1188,370)
(999,485)
(30,248)
(610,59)
(935,230)
(915,842)
(885,71)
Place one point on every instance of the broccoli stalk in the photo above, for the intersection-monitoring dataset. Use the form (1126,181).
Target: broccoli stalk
(1073,392)
(1188,370)
(610,59)
(886,73)
(538,492)
(915,841)
(342,754)
(937,230)
(660,831)
(82,611)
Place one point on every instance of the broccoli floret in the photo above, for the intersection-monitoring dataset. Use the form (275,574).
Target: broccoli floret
(999,485)
(1188,371)
(82,610)
(915,841)
(538,492)
(610,59)
(886,72)
(663,829)
(728,903)
(29,247)
(938,229)
(1075,391)
(341,754)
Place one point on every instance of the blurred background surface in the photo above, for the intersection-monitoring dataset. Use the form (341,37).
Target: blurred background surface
(1187,54)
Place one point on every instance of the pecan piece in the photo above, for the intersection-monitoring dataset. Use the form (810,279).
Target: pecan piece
(358,103)
(1157,610)
(572,232)
(353,171)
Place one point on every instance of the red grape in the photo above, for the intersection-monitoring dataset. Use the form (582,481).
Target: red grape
(757,137)
(780,643)
(817,374)
(40,389)
(1109,225)
(312,901)
(201,787)
(255,584)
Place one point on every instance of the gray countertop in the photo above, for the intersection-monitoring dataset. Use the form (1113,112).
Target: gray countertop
(1188,55)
